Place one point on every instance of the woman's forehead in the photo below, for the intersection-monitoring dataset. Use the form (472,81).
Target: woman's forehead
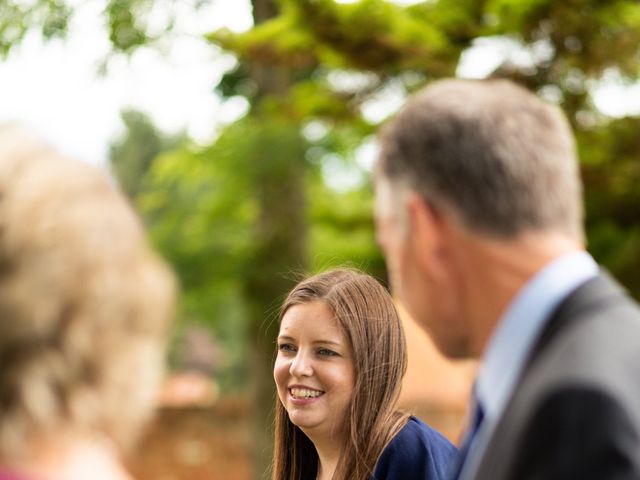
(311,319)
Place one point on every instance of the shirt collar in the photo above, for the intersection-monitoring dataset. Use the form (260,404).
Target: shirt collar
(521,325)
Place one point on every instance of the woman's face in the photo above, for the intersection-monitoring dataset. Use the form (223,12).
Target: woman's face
(314,370)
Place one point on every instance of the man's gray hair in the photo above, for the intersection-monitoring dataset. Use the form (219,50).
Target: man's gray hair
(489,151)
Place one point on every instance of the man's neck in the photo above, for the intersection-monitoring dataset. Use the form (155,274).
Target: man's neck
(494,271)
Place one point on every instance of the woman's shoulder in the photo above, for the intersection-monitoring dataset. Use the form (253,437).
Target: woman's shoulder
(417,451)
(417,428)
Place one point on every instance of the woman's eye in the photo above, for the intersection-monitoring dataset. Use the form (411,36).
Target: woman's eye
(286,347)
(325,352)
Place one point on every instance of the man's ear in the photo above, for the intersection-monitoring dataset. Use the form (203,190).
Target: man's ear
(428,232)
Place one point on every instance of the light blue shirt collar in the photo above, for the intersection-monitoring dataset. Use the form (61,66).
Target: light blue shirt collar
(521,325)
(515,335)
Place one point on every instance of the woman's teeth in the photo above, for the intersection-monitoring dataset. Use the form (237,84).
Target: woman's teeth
(305,393)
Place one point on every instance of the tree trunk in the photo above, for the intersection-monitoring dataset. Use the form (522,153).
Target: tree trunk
(279,236)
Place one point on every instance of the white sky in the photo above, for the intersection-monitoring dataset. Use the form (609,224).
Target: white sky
(53,88)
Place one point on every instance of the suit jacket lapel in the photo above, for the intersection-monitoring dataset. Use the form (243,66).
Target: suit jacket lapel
(597,291)
(503,444)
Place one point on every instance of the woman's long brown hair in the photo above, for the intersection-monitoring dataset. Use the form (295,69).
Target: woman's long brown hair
(365,311)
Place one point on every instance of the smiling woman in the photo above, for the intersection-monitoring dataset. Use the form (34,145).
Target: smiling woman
(314,370)
(341,358)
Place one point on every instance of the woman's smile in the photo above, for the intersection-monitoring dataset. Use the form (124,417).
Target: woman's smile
(300,392)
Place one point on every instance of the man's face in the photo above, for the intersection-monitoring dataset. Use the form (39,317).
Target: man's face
(392,231)
(428,292)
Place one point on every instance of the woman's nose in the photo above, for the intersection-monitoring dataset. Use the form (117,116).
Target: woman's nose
(301,366)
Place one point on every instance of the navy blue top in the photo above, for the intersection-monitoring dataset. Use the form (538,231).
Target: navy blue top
(416,452)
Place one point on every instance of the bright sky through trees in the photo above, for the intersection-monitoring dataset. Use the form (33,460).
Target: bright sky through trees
(54,88)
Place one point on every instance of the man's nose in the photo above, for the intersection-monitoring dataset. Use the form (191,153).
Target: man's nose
(301,365)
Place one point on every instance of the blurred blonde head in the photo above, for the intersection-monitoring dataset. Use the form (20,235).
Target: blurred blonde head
(84,303)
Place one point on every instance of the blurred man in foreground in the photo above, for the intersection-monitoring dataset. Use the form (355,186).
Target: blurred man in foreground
(479,213)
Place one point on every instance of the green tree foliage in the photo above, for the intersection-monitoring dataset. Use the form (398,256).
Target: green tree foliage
(18,17)
(128,24)
(199,210)
(132,154)
(568,46)
(611,171)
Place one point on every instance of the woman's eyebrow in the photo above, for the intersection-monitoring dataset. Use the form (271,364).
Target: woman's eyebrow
(285,337)
(315,342)
(328,342)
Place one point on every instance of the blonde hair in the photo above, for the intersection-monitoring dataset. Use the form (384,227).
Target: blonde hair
(366,313)
(84,303)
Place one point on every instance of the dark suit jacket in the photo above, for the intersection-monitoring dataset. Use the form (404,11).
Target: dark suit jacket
(576,411)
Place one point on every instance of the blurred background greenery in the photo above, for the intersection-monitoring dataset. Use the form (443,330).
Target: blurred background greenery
(286,189)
